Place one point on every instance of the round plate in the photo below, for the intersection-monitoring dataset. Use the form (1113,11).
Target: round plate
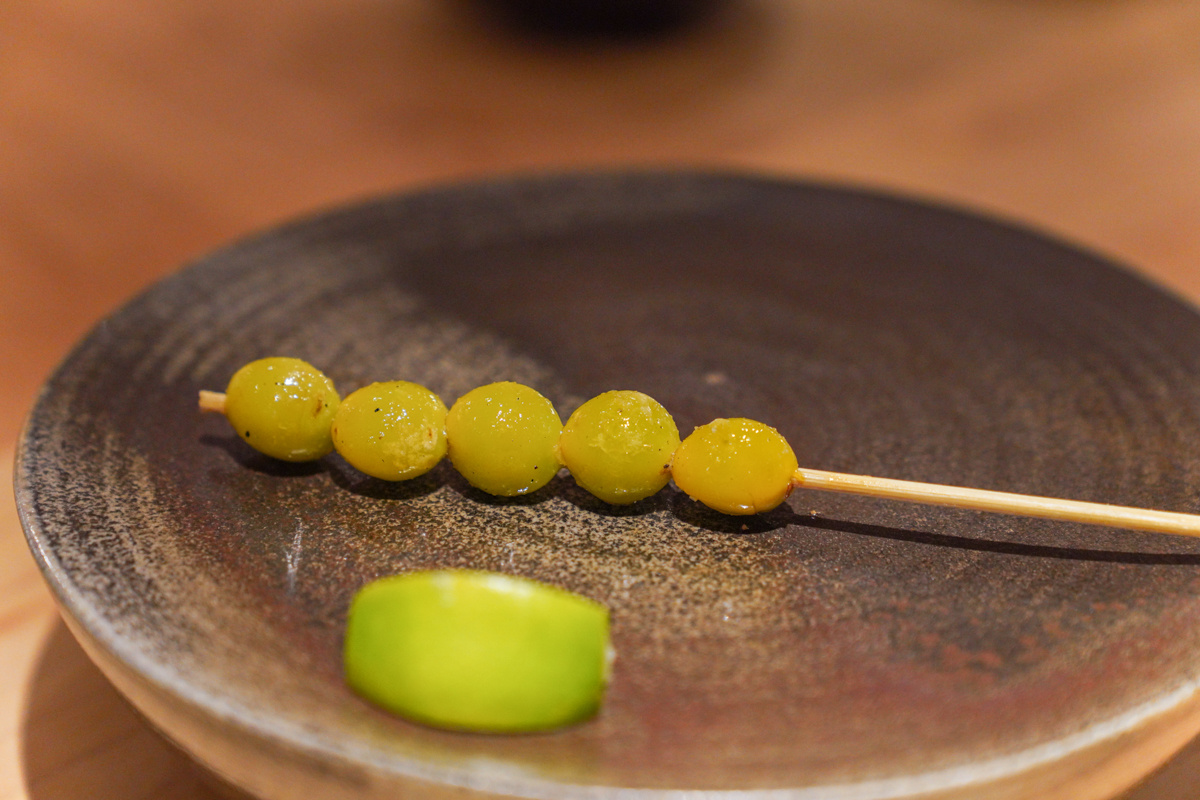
(837,646)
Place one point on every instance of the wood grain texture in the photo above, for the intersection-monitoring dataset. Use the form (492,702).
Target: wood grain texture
(138,135)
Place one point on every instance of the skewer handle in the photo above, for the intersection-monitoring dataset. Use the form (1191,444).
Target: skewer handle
(1002,502)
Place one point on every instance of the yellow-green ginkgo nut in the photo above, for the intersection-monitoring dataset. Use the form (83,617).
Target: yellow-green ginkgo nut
(736,466)
(504,438)
(394,430)
(619,445)
(282,407)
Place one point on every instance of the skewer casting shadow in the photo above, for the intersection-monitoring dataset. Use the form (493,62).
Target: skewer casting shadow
(507,440)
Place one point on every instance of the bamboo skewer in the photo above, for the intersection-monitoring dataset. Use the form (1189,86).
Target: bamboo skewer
(1141,519)
(212,401)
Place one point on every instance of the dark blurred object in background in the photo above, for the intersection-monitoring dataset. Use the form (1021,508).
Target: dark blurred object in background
(614,18)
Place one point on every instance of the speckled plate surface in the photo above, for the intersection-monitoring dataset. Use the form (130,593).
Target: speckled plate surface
(835,647)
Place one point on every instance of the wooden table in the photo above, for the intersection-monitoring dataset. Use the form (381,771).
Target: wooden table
(135,135)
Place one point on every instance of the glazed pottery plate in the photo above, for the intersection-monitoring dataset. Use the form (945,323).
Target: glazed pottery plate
(835,647)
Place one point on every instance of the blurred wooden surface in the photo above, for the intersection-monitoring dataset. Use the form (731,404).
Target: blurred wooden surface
(135,135)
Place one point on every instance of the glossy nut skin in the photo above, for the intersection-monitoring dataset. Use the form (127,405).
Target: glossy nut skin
(735,466)
(282,407)
(478,651)
(504,438)
(393,431)
(619,446)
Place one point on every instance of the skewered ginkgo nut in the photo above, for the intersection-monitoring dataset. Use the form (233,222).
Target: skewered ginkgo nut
(735,466)
(282,407)
(394,430)
(504,438)
(619,445)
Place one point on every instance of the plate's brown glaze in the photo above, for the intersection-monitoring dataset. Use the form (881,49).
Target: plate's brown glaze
(876,647)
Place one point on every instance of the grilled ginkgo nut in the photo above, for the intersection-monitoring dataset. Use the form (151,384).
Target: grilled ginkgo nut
(735,466)
(504,438)
(619,445)
(282,407)
(394,430)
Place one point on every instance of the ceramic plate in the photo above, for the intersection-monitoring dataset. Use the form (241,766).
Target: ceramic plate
(836,647)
